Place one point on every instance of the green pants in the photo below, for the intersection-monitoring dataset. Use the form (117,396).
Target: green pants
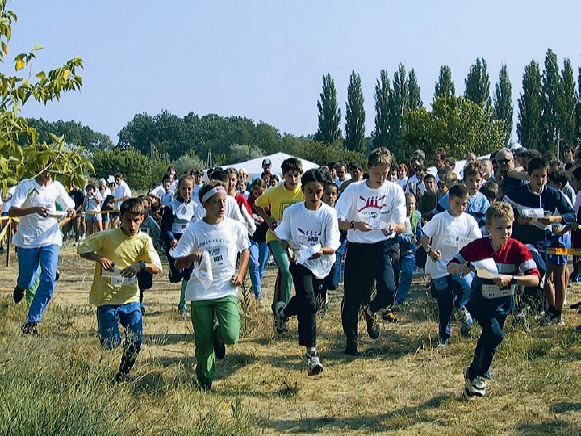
(31,292)
(284,279)
(213,317)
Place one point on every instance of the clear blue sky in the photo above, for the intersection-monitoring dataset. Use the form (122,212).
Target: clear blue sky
(265,59)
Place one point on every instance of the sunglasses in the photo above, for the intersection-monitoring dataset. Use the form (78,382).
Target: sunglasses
(503,161)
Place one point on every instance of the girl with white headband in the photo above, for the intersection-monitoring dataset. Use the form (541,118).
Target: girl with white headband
(176,218)
(212,244)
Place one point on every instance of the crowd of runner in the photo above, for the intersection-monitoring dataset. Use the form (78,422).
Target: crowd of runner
(485,237)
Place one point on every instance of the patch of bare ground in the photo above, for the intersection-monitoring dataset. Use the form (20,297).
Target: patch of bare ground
(61,382)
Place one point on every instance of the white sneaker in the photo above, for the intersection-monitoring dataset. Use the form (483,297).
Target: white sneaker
(442,343)
(314,365)
(473,388)
(280,321)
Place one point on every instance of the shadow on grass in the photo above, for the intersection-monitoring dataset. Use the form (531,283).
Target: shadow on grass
(565,407)
(553,427)
(166,339)
(399,419)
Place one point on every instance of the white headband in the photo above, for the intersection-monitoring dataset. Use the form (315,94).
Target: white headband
(212,192)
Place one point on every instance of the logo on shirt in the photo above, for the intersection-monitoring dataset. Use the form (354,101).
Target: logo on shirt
(372,203)
(310,235)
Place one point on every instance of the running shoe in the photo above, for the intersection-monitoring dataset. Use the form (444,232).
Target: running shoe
(314,366)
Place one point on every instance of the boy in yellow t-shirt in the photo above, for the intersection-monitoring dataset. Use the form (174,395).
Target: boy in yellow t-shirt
(278,199)
(120,254)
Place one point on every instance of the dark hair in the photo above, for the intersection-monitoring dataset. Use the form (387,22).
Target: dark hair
(459,191)
(530,154)
(558,176)
(90,186)
(317,175)
(219,174)
(354,165)
(165,178)
(537,163)
(429,176)
(490,190)
(144,197)
(258,183)
(292,164)
(118,176)
(133,205)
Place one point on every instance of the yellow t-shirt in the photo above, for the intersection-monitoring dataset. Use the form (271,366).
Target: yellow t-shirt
(278,199)
(123,251)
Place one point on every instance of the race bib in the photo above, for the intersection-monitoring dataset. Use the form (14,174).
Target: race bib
(491,291)
(116,279)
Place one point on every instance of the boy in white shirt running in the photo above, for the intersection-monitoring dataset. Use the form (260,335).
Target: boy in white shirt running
(310,231)
(443,237)
(372,211)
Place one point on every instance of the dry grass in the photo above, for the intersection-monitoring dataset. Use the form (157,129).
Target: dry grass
(61,382)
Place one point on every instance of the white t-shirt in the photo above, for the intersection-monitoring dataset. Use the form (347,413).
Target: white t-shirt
(121,191)
(449,234)
(359,202)
(91,205)
(223,242)
(302,227)
(8,202)
(33,230)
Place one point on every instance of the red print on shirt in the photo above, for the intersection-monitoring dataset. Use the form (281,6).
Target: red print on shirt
(372,202)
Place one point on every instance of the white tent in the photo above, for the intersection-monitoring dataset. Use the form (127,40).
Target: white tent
(254,166)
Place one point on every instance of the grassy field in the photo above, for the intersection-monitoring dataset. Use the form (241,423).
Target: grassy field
(61,382)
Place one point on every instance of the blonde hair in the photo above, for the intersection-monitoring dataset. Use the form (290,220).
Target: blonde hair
(379,156)
(499,210)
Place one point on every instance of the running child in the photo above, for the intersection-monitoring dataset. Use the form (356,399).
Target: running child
(443,237)
(278,199)
(310,231)
(372,212)
(151,228)
(120,254)
(492,300)
(93,202)
(176,218)
(258,247)
(213,243)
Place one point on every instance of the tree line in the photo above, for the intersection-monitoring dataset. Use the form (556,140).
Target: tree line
(549,112)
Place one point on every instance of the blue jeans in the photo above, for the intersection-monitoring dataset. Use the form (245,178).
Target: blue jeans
(406,264)
(258,258)
(465,283)
(29,260)
(109,316)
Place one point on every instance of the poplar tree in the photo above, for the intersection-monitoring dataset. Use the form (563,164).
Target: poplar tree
(550,102)
(382,91)
(478,84)
(568,102)
(528,127)
(444,85)
(398,106)
(329,113)
(415,100)
(355,115)
(503,109)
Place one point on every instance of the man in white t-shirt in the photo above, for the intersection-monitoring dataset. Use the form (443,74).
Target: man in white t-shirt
(120,194)
(38,239)
(372,211)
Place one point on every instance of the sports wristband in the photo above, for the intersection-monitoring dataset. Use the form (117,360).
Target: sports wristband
(513,281)
(352,225)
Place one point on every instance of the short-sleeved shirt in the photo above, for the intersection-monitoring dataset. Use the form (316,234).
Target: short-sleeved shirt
(359,202)
(223,242)
(121,191)
(33,230)
(449,234)
(124,251)
(278,199)
(302,227)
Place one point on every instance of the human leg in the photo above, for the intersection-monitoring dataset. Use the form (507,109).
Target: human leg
(130,318)
(492,335)
(254,269)
(202,315)
(359,269)
(48,257)
(284,279)
(444,294)
(407,264)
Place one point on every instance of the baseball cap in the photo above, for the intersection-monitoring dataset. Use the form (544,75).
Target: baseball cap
(266,162)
